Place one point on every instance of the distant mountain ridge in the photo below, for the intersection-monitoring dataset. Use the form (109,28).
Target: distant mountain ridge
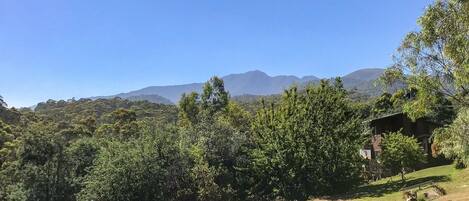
(253,83)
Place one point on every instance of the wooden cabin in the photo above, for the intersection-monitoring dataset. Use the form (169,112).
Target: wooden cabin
(421,129)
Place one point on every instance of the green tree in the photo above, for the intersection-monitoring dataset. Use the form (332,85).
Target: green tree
(80,156)
(307,145)
(2,102)
(124,125)
(75,111)
(400,97)
(435,59)
(453,140)
(87,126)
(214,97)
(43,170)
(8,145)
(383,104)
(214,132)
(150,167)
(400,152)
(46,154)
(192,107)
(188,109)
(434,63)
(219,154)
(8,142)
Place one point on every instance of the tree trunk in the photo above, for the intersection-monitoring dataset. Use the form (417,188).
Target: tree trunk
(402,175)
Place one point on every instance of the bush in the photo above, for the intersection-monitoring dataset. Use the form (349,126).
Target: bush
(151,167)
(400,152)
(307,145)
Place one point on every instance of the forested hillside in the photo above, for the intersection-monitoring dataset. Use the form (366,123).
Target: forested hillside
(73,111)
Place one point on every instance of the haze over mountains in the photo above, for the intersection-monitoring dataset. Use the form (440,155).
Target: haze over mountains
(252,83)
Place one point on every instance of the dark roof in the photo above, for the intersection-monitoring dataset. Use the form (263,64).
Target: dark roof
(384,117)
(401,113)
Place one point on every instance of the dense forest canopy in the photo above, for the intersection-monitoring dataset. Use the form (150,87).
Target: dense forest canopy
(75,110)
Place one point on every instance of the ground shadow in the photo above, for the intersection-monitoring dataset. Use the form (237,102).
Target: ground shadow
(378,190)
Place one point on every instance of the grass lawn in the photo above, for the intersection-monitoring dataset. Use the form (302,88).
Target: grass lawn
(455,182)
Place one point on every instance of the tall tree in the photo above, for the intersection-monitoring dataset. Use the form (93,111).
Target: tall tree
(214,99)
(188,109)
(216,140)
(307,145)
(2,102)
(214,96)
(435,59)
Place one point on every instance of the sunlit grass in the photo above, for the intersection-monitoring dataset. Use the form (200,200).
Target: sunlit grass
(454,181)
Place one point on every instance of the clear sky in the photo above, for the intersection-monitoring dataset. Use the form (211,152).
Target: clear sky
(56,49)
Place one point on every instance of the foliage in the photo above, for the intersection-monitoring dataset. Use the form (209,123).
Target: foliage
(209,147)
(400,152)
(123,125)
(218,152)
(8,145)
(46,154)
(434,63)
(193,107)
(7,142)
(42,166)
(188,109)
(383,104)
(151,167)
(114,149)
(253,103)
(307,145)
(215,134)
(453,140)
(9,116)
(214,97)
(2,102)
(74,111)
(435,59)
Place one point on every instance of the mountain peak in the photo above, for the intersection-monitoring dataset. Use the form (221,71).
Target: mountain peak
(253,82)
(365,74)
(254,72)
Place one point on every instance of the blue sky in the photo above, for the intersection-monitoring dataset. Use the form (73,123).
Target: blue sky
(56,49)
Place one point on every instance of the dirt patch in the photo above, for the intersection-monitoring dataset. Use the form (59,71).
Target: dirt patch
(461,195)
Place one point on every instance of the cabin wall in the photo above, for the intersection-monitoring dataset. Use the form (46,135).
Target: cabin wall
(421,129)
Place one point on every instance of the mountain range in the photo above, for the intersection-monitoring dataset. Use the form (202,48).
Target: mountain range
(253,83)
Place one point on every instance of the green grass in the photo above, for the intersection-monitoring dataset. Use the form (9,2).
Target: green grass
(455,182)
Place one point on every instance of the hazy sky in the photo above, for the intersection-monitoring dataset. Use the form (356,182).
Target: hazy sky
(79,48)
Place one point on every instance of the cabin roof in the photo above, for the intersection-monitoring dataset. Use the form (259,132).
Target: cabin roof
(399,113)
(384,117)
